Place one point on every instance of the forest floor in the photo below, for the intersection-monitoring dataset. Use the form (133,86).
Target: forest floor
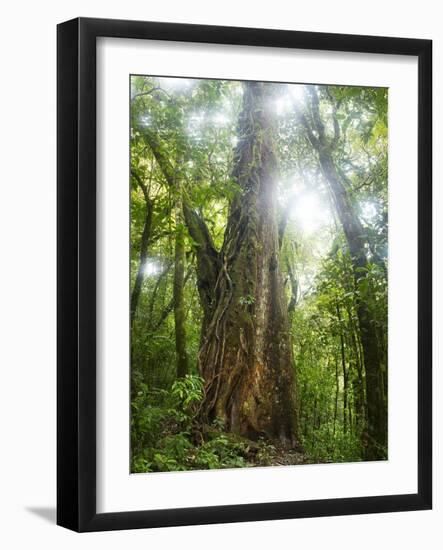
(285,457)
(267,454)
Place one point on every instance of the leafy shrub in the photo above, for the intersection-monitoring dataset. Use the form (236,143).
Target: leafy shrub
(163,423)
(325,446)
(220,452)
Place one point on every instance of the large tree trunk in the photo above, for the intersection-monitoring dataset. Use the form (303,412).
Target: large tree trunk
(246,355)
(375,439)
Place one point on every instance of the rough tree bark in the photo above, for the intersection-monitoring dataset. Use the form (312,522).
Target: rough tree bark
(376,437)
(246,355)
(208,263)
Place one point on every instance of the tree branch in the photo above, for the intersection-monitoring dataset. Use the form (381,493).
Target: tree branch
(167,310)
(208,260)
(294,287)
(149,92)
(334,106)
(143,254)
(140,94)
(315,109)
(314,140)
(284,218)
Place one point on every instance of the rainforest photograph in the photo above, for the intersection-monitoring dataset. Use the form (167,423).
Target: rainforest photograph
(258,273)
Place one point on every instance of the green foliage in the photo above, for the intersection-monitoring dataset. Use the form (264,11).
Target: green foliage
(187,393)
(330,375)
(246,300)
(163,424)
(324,446)
(220,452)
(196,129)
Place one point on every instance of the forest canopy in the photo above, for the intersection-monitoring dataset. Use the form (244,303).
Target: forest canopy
(259,249)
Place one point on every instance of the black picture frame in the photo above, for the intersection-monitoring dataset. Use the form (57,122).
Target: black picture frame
(76,265)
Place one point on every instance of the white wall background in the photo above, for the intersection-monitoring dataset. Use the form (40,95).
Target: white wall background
(27,289)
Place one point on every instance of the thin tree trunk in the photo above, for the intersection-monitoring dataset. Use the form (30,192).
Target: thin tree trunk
(357,379)
(344,370)
(376,405)
(136,291)
(336,392)
(315,423)
(375,439)
(178,298)
(294,289)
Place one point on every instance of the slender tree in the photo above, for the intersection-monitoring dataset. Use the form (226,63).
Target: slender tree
(178,299)
(376,436)
(144,243)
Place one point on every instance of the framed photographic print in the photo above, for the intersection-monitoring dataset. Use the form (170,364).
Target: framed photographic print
(244,274)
